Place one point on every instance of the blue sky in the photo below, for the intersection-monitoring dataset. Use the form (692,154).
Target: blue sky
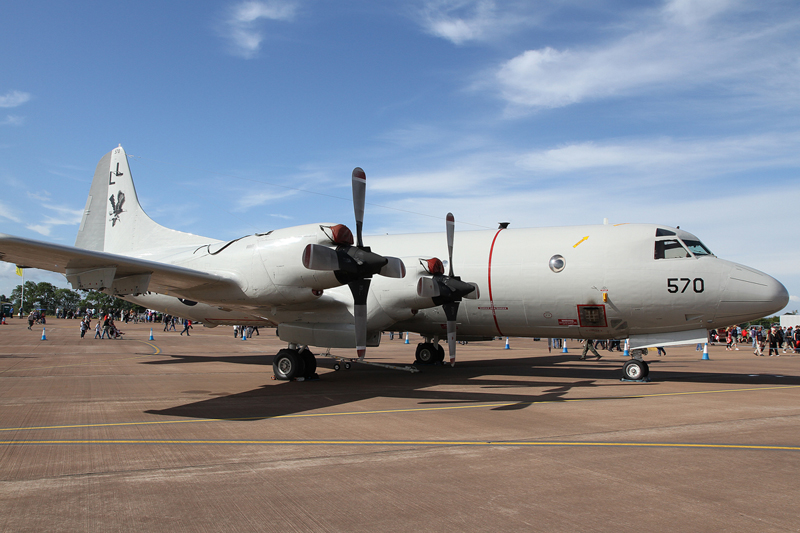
(247,116)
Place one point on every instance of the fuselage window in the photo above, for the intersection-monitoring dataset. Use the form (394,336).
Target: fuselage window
(697,247)
(670,249)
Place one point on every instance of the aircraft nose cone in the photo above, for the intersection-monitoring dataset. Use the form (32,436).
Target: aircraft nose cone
(750,294)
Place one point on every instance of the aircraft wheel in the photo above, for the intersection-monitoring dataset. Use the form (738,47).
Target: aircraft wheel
(337,366)
(288,364)
(635,370)
(426,353)
(309,361)
(439,353)
(347,366)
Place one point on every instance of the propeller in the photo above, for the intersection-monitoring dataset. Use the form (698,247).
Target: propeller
(352,263)
(447,291)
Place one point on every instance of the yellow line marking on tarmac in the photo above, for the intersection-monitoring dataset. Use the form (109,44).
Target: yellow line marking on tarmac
(153,346)
(389,411)
(408,443)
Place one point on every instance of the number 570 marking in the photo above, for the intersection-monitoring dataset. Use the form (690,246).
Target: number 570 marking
(698,285)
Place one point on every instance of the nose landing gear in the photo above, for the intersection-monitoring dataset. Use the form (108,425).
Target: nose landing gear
(636,369)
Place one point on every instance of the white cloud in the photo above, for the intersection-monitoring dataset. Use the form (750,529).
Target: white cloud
(12,120)
(65,216)
(249,199)
(682,46)
(691,12)
(244,29)
(14,99)
(461,21)
(7,213)
(692,158)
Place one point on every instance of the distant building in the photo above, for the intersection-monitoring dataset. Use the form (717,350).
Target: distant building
(790,320)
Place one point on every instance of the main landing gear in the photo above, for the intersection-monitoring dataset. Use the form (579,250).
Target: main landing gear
(636,369)
(294,362)
(429,353)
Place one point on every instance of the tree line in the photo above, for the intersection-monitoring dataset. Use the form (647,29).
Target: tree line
(45,296)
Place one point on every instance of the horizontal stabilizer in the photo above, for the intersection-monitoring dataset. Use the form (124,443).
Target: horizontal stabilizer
(92,269)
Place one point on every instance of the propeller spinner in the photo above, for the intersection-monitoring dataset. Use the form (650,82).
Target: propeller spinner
(354,264)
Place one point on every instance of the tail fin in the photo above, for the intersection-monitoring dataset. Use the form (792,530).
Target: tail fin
(113,221)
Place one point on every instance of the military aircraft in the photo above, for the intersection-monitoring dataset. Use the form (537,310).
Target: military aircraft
(322,287)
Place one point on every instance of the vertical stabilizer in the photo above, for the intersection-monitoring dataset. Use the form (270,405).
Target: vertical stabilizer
(113,221)
(92,233)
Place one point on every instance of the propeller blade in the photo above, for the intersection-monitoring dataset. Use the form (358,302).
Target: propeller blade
(318,257)
(359,199)
(451,312)
(360,290)
(395,268)
(360,315)
(451,341)
(451,229)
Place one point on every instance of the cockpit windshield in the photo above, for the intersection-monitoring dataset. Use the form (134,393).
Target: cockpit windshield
(697,247)
(670,249)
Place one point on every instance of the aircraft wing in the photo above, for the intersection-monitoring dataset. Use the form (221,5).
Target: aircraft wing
(95,270)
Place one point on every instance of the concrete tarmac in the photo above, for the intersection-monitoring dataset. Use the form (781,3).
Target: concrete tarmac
(192,434)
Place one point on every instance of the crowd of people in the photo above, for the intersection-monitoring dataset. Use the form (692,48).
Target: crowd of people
(776,339)
(245,331)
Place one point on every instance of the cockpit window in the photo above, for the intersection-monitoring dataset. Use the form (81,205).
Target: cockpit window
(697,247)
(661,232)
(670,249)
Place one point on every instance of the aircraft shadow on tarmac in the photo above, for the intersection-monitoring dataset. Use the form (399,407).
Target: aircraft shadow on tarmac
(494,377)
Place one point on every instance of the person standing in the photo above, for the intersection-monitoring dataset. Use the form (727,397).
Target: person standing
(759,342)
(796,339)
(774,339)
(787,339)
(589,346)
(84,326)
(106,328)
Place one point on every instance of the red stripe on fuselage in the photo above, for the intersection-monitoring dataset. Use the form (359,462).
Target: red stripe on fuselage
(491,298)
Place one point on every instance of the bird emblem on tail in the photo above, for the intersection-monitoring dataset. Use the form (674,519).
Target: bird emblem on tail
(116,207)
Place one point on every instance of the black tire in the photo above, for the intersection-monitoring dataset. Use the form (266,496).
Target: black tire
(635,370)
(426,353)
(337,366)
(439,353)
(288,365)
(310,363)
